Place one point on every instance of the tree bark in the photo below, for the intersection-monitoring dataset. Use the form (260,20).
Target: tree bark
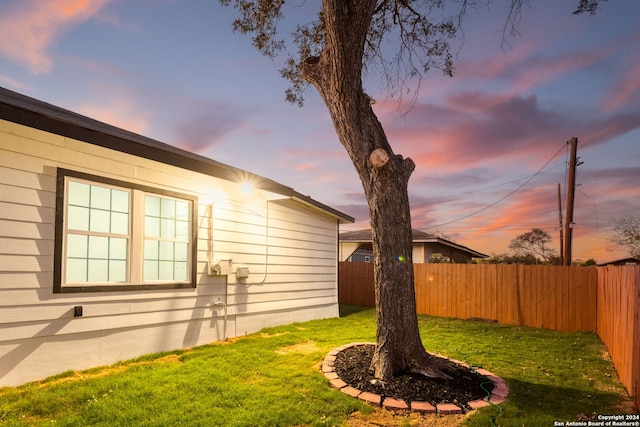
(336,74)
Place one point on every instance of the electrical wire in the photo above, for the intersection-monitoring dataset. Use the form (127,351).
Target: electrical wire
(478,190)
(595,211)
(502,198)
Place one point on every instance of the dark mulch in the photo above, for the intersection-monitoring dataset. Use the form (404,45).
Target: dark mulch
(352,366)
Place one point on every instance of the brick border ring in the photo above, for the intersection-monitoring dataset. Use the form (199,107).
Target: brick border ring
(498,394)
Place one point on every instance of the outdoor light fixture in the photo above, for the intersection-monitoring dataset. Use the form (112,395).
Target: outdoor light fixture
(247,188)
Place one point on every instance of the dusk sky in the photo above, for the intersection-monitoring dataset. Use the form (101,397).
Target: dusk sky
(490,144)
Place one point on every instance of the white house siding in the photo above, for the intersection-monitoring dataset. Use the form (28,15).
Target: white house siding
(347,249)
(421,253)
(289,248)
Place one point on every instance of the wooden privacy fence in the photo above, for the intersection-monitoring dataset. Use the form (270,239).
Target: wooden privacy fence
(619,322)
(605,300)
(558,298)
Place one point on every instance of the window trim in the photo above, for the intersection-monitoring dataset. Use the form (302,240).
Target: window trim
(58,287)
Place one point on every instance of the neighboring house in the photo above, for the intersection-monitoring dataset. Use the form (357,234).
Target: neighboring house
(361,255)
(622,261)
(424,246)
(113,245)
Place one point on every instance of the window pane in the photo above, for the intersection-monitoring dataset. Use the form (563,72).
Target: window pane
(119,201)
(98,270)
(118,249)
(78,194)
(172,223)
(181,251)
(165,270)
(151,270)
(180,271)
(117,271)
(97,258)
(119,223)
(99,221)
(167,228)
(76,246)
(78,218)
(182,230)
(100,197)
(168,208)
(183,211)
(152,206)
(76,270)
(166,251)
(98,247)
(152,227)
(151,249)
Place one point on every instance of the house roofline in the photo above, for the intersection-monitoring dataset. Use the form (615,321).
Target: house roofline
(27,111)
(613,261)
(423,238)
(475,254)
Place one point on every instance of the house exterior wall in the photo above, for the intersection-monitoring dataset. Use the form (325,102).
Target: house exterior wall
(347,249)
(421,253)
(289,248)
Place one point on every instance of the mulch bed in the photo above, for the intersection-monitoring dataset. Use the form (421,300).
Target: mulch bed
(352,366)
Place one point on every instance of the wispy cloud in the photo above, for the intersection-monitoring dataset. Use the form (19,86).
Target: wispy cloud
(13,83)
(120,111)
(626,89)
(471,129)
(206,124)
(28,28)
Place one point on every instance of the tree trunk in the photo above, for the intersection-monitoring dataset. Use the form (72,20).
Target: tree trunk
(336,74)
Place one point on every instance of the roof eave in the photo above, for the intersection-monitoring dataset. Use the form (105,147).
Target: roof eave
(21,109)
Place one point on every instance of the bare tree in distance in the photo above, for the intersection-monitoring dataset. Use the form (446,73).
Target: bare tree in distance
(534,243)
(626,233)
(331,53)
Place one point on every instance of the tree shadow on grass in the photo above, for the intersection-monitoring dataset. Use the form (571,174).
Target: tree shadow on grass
(348,310)
(541,404)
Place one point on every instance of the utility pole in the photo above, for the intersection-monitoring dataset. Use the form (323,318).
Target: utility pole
(560,226)
(571,189)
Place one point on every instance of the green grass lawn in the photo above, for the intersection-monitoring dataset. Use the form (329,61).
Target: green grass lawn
(272,378)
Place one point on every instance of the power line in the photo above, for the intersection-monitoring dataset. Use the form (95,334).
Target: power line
(478,190)
(595,211)
(502,198)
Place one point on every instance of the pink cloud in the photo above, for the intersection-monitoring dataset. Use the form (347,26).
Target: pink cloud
(208,127)
(625,91)
(492,230)
(120,112)
(17,85)
(28,28)
(475,128)
(468,129)
(529,65)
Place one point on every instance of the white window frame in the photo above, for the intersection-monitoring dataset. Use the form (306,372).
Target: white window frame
(136,235)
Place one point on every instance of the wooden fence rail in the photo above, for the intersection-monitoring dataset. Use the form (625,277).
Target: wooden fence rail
(605,300)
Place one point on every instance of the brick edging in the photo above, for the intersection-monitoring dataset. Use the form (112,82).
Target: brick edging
(498,394)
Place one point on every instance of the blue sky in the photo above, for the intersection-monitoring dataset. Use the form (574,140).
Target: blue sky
(174,71)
